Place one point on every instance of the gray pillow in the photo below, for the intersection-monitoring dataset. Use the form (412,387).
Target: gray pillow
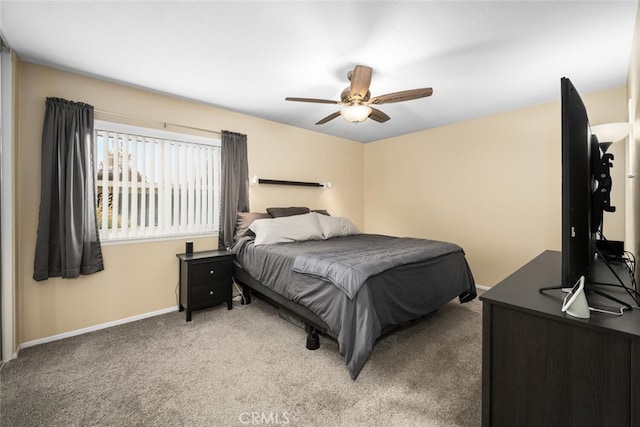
(244,221)
(280,212)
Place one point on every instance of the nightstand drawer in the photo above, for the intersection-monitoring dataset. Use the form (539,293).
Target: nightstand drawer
(209,271)
(211,293)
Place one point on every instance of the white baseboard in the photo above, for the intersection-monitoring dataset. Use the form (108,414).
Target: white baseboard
(482,287)
(93,328)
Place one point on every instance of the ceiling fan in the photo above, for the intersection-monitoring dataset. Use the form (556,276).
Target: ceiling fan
(357,101)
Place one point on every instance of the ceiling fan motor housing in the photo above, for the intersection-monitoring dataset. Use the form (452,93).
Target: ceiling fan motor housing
(347,98)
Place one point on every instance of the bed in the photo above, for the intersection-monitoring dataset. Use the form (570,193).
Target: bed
(351,286)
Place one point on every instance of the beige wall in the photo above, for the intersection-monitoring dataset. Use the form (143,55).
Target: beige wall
(141,278)
(491,185)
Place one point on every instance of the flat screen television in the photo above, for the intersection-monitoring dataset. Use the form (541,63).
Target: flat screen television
(586,186)
(578,210)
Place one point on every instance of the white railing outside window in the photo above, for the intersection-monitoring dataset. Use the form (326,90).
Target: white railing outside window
(155,184)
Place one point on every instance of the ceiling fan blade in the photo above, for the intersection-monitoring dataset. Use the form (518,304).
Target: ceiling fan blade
(378,115)
(405,95)
(319,101)
(360,80)
(329,117)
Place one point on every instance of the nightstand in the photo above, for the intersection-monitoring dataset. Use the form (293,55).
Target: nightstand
(205,280)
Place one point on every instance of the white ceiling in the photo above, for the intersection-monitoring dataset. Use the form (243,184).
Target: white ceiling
(480,57)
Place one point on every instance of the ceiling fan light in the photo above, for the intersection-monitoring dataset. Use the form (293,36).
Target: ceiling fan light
(356,113)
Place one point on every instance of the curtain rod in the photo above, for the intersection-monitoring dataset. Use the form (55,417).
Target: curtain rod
(165,124)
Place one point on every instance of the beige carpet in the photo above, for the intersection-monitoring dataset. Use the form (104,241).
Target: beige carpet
(247,366)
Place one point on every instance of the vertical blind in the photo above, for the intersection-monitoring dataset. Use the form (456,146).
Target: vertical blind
(154,186)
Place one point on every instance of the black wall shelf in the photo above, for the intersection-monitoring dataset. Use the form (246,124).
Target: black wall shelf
(294,183)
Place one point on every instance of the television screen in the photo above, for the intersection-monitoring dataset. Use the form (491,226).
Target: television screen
(586,185)
(578,237)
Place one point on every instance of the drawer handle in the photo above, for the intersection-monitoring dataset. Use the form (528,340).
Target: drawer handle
(210,292)
(211,272)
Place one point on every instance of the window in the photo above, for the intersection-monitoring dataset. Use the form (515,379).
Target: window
(155,184)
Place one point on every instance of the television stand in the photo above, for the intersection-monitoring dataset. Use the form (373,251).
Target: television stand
(541,367)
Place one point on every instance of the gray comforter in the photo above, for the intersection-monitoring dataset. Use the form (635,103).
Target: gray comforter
(349,269)
(390,297)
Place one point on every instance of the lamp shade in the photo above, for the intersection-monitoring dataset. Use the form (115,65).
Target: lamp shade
(611,132)
(355,113)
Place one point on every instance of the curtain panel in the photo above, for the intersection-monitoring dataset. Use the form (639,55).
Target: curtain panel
(67,242)
(234,189)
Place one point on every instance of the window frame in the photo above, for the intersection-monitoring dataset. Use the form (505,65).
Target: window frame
(147,132)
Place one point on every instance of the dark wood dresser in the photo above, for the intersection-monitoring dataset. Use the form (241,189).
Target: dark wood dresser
(541,367)
(205,280)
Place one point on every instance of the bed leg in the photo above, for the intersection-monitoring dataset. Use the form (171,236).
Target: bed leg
(246,294)
(313,341)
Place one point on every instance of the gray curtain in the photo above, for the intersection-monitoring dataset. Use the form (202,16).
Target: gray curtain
(67,242)
(234,189)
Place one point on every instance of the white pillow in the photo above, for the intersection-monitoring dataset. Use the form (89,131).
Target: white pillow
(334,226)
(286,229)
